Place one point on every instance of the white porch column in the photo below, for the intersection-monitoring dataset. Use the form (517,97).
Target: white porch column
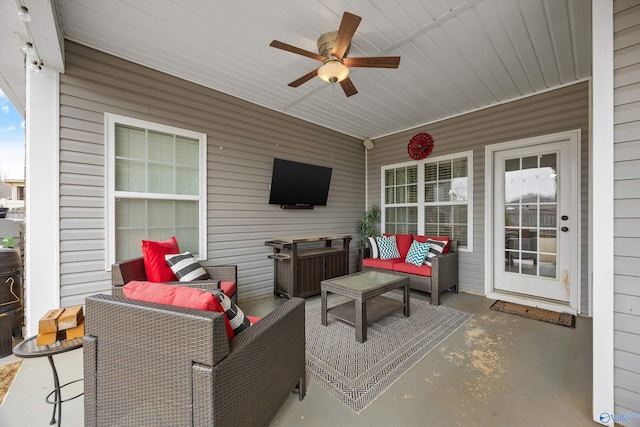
(42,242)
(602,207)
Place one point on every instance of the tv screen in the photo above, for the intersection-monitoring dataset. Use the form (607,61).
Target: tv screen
(295,184)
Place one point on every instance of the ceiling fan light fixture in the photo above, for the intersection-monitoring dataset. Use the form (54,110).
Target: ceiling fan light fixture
(333,71)
(333,47)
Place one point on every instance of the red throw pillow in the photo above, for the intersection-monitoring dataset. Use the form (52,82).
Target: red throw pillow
(178,296)
(155,264)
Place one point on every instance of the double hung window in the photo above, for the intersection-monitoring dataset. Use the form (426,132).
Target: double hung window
(156,186)
(430,197)
(401,199)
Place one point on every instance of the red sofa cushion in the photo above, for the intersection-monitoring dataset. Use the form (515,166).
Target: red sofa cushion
(405,267)
(155,264)
(423,239)
(385,264)
(404,243)
(178,296)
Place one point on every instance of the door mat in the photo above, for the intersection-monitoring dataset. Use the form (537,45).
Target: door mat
(564,319)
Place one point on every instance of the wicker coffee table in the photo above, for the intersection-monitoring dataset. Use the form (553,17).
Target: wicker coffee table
(367,305)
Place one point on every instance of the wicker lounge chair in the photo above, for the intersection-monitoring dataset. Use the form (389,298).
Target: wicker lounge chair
(153,364)
(133,269)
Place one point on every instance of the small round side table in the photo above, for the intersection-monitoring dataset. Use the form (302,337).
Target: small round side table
(28,348)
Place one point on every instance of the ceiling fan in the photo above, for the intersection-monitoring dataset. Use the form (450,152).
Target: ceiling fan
(333,48)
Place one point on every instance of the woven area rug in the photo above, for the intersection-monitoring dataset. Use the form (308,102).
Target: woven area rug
(563,319)
(357,373)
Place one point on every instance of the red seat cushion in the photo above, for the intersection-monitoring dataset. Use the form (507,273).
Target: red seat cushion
(155,264)
(405,267)
(386,264)
(423,239)
(178,296)
(404,243)
(229,288)
(254,319)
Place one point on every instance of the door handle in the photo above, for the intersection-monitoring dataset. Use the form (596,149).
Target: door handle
(565,229)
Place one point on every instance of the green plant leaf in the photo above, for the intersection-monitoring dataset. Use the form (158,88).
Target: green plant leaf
(367,224)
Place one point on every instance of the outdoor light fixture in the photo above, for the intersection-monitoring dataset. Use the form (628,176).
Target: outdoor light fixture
(36,66)
(333,70)
(28,49)
(23,14)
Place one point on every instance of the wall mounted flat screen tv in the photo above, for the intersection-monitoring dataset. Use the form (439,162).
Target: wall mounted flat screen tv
(297,185)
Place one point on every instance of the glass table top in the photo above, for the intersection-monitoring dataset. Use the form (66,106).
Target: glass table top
(364,280)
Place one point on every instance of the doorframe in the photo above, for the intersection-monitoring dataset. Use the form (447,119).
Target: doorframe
(489,245)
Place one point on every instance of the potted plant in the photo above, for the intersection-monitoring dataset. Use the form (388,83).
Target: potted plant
(366,229)
(367,224)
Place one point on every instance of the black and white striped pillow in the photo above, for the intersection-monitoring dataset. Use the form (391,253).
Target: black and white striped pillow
(238,321)
(435,248)
(186,267)
(373,246)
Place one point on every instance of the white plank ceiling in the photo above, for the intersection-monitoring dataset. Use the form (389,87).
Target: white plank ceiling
(457,55)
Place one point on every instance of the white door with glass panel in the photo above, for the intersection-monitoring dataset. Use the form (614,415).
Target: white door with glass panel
(536,219)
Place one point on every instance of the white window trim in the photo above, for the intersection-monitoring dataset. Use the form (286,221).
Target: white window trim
(421,203)
(110,122)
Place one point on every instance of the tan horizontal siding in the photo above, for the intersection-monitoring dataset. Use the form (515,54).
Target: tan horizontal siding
(626,207)
(243,139)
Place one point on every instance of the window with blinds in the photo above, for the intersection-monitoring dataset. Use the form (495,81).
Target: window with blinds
(400,200)
(446,192)
(157,187)
(430,197)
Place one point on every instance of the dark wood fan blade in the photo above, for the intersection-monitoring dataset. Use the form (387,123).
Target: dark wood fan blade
(348,27)
(348,87)
(284,46)
(373,61)
(304,78)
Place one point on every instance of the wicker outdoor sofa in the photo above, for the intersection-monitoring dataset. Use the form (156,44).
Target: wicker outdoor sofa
(441,276)
(153,364)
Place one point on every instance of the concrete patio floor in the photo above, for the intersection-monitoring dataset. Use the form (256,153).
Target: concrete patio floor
(496,370)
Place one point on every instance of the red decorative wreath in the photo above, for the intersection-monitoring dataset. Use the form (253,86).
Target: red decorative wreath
(420,146)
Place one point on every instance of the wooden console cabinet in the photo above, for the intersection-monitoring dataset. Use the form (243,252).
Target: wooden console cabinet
(300,263)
